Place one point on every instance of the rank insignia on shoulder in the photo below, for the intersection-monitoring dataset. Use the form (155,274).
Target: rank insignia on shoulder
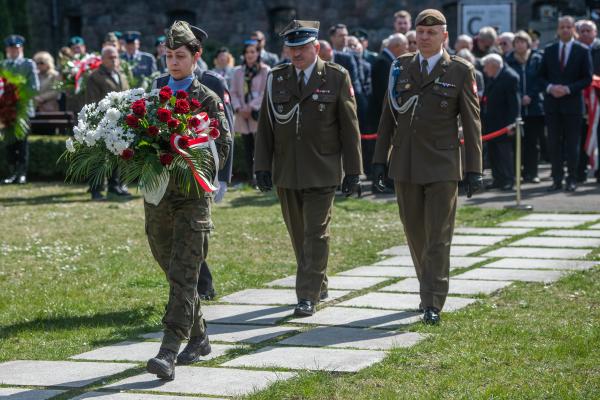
(444,84)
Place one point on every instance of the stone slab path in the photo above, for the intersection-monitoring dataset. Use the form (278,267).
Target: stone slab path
(256,341)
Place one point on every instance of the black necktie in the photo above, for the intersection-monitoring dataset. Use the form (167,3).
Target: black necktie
(301,81)
(424,72)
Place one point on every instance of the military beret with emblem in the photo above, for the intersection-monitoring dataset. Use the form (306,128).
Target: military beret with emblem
(75,40)
(182,33)
(160,40)
(299,33)
(14,41)
(430,17)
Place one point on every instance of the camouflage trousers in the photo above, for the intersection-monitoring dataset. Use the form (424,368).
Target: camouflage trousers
(178,229)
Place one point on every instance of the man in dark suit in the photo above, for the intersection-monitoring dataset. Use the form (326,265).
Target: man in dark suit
(396,45)
(565,71)
(500,107)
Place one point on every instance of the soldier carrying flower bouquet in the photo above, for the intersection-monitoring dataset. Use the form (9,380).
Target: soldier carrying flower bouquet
(172,141)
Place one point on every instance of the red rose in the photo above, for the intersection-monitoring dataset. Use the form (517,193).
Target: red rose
(132,121)
(173,123)
(152,130)
(166,158)
(196,104)
(181,94)
(139,107)
(163,114)
(214,133)
(181,107)
(193,122)
(165,94)
(183,142)
(214,123)
(127,154)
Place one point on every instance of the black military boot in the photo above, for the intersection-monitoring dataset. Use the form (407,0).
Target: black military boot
(431,316)
(197,347)
(163,365)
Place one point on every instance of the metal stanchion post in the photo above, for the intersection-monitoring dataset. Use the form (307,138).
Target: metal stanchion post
(518,133)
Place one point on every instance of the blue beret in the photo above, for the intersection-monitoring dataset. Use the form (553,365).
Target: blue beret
(160,39)
(14,41)
(76,40)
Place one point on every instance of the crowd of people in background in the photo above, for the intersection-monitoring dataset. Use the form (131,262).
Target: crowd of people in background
(514,76)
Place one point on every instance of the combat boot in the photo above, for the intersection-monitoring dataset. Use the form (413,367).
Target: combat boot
(197,347)
(163,365)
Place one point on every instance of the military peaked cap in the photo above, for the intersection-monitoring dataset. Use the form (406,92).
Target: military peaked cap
(14,41)
(299,33)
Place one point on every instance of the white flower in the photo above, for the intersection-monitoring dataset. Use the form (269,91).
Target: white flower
(69,144)
(113,115)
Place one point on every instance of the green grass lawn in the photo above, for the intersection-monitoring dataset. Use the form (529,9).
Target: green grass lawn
(77,275)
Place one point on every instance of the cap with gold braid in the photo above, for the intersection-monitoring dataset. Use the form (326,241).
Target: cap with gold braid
(430,17)
(182,33)
(299,33)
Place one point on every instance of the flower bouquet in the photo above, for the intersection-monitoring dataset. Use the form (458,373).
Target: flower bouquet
(149,137)
(15,97)
(76,70)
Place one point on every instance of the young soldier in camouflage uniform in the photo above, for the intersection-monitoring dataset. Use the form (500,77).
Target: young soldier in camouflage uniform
(179,226)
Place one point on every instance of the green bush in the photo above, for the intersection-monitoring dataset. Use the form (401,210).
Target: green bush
(44,152)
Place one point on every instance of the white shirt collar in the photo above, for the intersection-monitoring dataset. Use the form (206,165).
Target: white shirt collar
(431,61)
(307,72)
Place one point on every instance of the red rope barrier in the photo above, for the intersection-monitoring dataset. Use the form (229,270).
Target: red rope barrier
(484,138)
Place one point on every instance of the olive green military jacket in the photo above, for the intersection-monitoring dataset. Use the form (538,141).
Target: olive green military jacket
(100,83)
(309,149)
(422,144)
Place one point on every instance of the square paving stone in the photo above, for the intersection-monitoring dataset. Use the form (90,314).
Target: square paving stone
(595,226)
(584,233)
(411,285)
(28,394)
(454,250)
(203,380)
(537,252)
(334,282)
(481,240)
(392,272)
(273,296)
(315,359)
(360,317)
(359,338)
(140,351)
(525,275)
(541,263)
(455,261)
(245,314)
(558,242)
(238,333)
(491,231)
(137,396)
(541,224)
(57,373)
(397,301)
(560,217)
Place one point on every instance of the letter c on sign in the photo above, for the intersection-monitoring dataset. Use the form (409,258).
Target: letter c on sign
(470,24)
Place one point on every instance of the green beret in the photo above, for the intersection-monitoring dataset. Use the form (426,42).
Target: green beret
(111,37)
(430,17)
(182,33)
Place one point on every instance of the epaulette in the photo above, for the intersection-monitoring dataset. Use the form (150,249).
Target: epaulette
(280,67)
(461,60)
(335,66)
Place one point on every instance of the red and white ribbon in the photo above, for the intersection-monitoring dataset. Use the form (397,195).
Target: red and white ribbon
(179,143)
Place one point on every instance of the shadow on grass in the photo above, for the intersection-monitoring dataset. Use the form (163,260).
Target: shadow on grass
(63,198)
(257,200)
(131,321)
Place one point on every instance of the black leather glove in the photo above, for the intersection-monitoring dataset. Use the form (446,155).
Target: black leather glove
(473,183)
(351,184)
(263,181)
(378,172)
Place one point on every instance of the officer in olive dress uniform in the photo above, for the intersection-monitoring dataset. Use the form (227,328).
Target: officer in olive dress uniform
(143,63)
(418,140)
(179,225)
(17,152)
(307,135)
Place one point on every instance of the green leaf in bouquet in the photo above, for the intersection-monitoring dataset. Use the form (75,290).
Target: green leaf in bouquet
(172,101)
